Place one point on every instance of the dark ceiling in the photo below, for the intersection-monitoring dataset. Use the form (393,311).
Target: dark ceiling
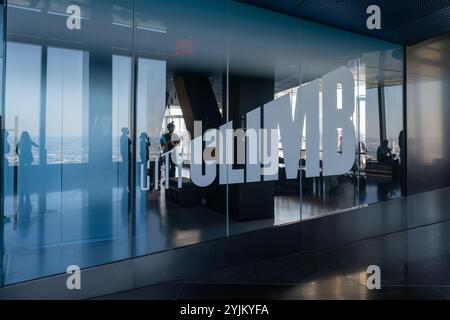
(402,21)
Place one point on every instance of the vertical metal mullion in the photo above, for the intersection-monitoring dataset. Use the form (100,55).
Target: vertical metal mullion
(358,131)
(227,113)
(2,127)
(404,179)
(42,126)
(382,112)
(132,168)
(300,67)
(43,108)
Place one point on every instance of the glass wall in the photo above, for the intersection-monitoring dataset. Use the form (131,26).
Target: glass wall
(381,135)
(133,127)
(67,105)
(428,128)
(181,56)
(263,81)
(330,57)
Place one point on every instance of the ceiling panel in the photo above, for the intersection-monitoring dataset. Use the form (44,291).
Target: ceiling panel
(403,21)
(283,6)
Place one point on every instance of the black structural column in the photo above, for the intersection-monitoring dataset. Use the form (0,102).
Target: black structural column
(198,103)
(249,201)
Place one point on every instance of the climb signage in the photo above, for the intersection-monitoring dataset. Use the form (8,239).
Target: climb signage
(255,149)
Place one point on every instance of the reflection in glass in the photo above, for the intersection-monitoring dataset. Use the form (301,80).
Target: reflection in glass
(67,93)
(325,193)
(381,123)
(94,118)
(181,65)
(256,79)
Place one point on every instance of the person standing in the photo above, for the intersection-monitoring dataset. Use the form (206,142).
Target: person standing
(125,153)
(168,142)
(144,145)
(24,151)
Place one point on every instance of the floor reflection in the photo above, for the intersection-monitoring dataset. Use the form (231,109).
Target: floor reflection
(89,227)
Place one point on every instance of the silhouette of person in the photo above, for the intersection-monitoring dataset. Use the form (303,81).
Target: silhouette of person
(6,148)
(144,144)
(384,153)
(168,142)
(125,145)
(24,151)
(125,152)
(402,145)
(5,181)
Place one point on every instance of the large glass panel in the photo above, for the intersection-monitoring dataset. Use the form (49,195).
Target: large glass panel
(181,50)
(381,134)
(428,113)
(68,97)
(184,121)
(330,57)
(263,86)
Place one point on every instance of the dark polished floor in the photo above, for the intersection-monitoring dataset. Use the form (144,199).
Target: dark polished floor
(90,227)
(415,264)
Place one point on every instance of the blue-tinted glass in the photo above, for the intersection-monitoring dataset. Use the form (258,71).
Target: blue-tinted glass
(264,65)
(380,121)
(68,97)
(181,55)
(98,94)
